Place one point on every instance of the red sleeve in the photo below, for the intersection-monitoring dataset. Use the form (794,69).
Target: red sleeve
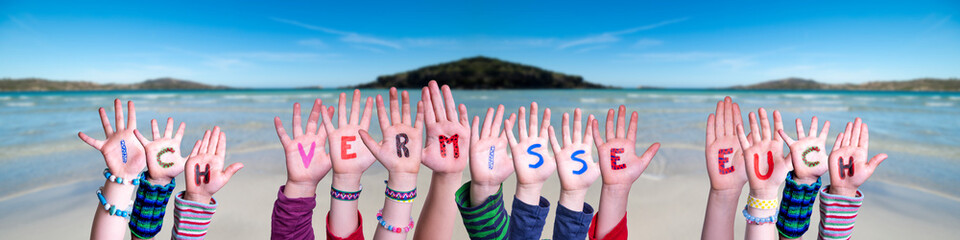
(356,235)
(618,232)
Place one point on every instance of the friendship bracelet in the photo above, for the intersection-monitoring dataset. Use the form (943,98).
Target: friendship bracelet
(796,207)
(392,228)
(403,197)
(192,219)
(838,214)
(761,204)
(345,196)
(756,220)
(111,209)
(119,180)
(146,218)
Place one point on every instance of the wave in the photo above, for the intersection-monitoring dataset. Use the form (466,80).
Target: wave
(21,104)
(938,104)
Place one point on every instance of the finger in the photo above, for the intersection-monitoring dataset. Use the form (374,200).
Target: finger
(577,134)
(610,129)
(777,125)
(327,123)
(168,130)
(846,133)
(785,137)
(533,130)
(546,122)
(711,132)
(553,139)
(800,131)
(864,137)
(214,140)
(297,124)
(118,115)
(314,118)
(737,117)
(155,130)
(719,124)
(140,137)
(341,107)
(231,170)
(839,142)
(355,108)
(855,136)
(814,124)
(132,115)
(371,144)
(508,129)
(475,130)
(595,132)
(825,131)
(367,113)
(487,120)
(281,133)
(728,114)
(222,144)
(497,122)
(463,114)
(523,123)
(565,129)
(632,129)
(621,121)
(97,144)
(427,104)
(742,137)
(382,112)
(418,120)
(448,100)
(437,101)
(196,148)
(405,119)
(876,160)
(588,135)
(764,125)
(107,129)
(204,141)
(503,132)
(754,129)
(179,135)
(649,153)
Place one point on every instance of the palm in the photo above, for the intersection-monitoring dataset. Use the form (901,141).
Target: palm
(724,155)
(164,160)
(306,159)
(620,144)
(205,172)
(766,166)
(400,149)
(808,152)
(579,173)
(849,167)
(347,152)
(443,120)
(530,157)
(123,154)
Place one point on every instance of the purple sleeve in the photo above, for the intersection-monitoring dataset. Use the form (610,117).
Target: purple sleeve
(292,217)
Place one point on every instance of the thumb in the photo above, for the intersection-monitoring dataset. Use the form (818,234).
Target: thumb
(232,169)
(140,137)
(372,144)
(876,160)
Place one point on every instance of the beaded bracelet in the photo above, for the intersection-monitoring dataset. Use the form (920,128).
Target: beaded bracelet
(391,227)
(403,197)
(345,196)
(119,180)
(761,204)
(112,209)
(756,220)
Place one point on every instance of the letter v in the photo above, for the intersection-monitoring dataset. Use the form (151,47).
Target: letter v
(307,157)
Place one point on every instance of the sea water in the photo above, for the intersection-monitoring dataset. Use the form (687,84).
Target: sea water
(919,131)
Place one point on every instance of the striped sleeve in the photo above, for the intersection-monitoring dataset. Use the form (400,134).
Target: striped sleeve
(838,214)
(489,220)
(191,219)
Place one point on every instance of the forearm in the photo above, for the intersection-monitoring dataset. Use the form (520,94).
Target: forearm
(343,213)
(720,215)
(529,193)
(480,192)
(106,226)
(439,208)
(762,230)
(397,213)
(613,206)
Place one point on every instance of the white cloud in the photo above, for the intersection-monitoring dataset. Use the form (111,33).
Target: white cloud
(674,56)
(349,37)
(609,37)
(313,42)
(646,43)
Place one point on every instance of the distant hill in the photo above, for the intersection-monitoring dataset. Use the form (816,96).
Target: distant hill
(37,84)
(920,84)
(482,73)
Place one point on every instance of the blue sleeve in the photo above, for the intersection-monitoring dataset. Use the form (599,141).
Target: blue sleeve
(526,221)
(570,224)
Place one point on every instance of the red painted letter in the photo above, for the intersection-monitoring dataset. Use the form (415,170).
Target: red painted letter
(344,146)
(756,166)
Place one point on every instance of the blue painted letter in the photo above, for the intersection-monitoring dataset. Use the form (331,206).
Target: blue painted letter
(531,152)
(584,163)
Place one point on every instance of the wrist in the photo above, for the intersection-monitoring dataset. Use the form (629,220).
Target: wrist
(480,192)
(197,197)
(572,199)
(346,182)
(765,193)
(402,181)
(163,180)
(619,189)
(843,191)
(806,180)
(295,189)
(529,193)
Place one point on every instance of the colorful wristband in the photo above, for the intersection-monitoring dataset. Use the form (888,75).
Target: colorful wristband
(345,196)
(838,214)
(761,204)
(796,207)
(146,219)
(391,227)
(404,197)
(756,220)
(192,219)
(119,180)
(112,209)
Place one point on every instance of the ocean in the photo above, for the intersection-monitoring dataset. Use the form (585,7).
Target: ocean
(40,149)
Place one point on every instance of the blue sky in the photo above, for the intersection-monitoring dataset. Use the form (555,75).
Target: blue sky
(676,44)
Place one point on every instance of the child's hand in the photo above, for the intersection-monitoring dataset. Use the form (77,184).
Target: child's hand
(348,154)
(619,165)
(725,164)
(400,149)
(807,152)
(489,162)
(447,132)
(766,166)
(164,161)
(121,151)
(205,173)
(849,167)
(575,164)
(307,161)
(533,163)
